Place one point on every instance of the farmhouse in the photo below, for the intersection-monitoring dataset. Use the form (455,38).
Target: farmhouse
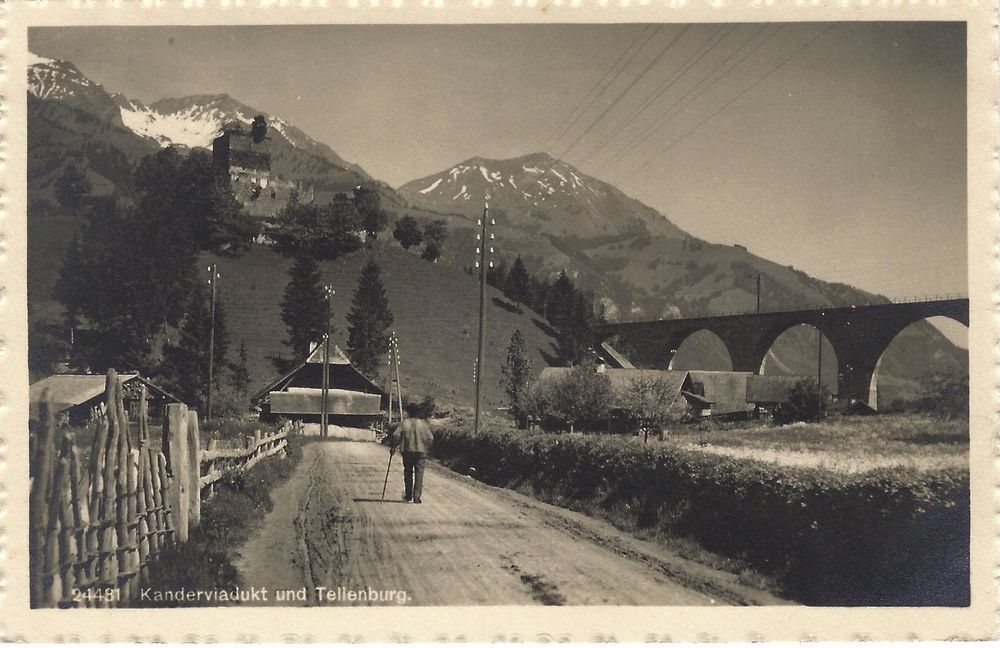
(354,401)
(79,398)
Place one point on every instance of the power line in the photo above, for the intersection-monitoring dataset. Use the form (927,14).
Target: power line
(676,107)
(679,73)
(649,31)
(624,92)
(678,140)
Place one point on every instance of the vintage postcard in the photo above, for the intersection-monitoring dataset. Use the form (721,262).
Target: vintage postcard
(499,320)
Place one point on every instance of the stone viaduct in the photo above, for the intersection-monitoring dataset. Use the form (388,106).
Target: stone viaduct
(859,336)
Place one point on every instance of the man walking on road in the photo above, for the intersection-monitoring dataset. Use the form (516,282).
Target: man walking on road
(414,438)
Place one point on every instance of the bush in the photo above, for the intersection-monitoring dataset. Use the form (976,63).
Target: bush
(803,403)
(880,537)
(425,408)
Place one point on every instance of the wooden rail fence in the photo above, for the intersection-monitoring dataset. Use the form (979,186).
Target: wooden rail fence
(96,524)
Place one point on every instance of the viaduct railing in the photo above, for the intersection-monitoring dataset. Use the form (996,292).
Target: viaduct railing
(97,522)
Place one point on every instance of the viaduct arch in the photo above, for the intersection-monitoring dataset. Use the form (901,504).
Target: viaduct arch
(859,336)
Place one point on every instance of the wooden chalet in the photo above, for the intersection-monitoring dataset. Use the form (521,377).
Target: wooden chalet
(354,401)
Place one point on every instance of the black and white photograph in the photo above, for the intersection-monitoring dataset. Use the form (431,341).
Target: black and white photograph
(563,314)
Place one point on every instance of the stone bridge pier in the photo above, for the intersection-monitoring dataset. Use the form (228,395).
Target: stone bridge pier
(859,336)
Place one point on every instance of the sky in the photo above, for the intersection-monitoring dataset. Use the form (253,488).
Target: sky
(837,148)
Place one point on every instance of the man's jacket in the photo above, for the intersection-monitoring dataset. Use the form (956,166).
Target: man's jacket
(412,435)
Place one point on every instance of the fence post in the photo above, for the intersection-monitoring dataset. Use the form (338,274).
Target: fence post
(212,445)
(178,468)
(194,469)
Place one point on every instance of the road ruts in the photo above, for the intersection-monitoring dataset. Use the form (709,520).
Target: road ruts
(466,544)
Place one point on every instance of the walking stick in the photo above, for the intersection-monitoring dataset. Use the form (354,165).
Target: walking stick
(386,482)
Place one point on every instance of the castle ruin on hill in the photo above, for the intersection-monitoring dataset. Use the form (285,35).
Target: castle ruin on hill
(248,166)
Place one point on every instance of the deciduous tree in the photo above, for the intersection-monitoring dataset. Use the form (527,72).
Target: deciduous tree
(647,400)
(319,231)
(407,232)
(258,129)
(369,206)
(583,396)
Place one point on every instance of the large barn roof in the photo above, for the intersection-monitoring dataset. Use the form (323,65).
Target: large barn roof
(339,364)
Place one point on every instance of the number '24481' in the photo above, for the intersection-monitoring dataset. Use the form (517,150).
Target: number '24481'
(102,594)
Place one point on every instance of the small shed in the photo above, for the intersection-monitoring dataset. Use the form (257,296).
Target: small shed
(353,399)
(79,398)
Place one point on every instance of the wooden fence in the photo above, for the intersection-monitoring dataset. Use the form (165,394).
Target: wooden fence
(96,524)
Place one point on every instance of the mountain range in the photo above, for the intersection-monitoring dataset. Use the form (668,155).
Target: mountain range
(637,262)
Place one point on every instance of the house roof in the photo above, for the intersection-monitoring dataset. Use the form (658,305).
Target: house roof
(772,389)
(610,354)
(70,390)
(337,358)
(726,389)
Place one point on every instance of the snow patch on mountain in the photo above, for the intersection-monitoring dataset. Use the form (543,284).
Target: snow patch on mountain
(432,187)
(55,79)
(191,127)
(35,59)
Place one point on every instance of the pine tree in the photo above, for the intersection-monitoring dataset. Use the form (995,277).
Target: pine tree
(516,376)
(518,284)
(303,306)
(571,315)
(368,321)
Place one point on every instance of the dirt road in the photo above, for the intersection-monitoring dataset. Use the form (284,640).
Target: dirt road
(466,544)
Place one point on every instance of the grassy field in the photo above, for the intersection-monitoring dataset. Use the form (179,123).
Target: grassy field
(842,444)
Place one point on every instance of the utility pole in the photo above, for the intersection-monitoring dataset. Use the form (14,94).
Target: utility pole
(325,399)
(213,275)
(481,264)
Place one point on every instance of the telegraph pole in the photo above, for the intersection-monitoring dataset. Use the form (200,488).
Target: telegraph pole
(213,275)
(325,400)
(481,264)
